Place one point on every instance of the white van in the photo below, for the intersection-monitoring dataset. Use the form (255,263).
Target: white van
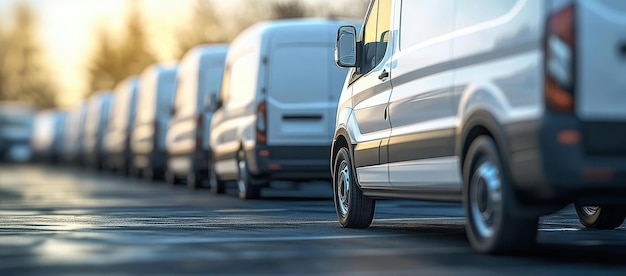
(154,105)
(96,122)
(74,130)
(277,105)
(121,121)
(514,107)
(47,137)
(199,75)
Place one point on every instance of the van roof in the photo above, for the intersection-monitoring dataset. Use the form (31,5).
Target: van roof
(259,32)
(205,49)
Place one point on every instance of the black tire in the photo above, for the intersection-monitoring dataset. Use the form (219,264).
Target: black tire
(496,223)
(248,186)
(601,217)
(170,178)
(194,181)
(148,174)
(218,186)
(354,210)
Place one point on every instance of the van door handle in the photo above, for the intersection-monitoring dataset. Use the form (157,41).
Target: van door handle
(383,75)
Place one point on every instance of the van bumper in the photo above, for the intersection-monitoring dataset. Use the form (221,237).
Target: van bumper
(296,163)
(560,159)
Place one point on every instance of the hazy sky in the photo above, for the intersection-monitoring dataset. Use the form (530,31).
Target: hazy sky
(66,28)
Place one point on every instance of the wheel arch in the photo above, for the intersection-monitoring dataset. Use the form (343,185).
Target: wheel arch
(481,123)
(341,139)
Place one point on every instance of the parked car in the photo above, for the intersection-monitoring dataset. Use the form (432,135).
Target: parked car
(48,135)
(16,128)
(96,123)
(73,134)
(513,107)
(277,105)
(199,75)
(121,121)
(154,106)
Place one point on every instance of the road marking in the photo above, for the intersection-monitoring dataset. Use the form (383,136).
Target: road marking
(248,210)
(559,229)
(310,238)
(421,219)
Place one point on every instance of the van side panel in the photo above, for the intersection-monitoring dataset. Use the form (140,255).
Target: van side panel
(233,124)
(499,51)
(420,107)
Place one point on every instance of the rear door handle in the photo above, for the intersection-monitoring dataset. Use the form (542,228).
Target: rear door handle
(383,75)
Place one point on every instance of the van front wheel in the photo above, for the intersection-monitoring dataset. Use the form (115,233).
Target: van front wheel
(493,224)
(354,210)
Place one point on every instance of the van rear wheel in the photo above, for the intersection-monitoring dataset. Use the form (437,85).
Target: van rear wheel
(193,180)
(494,226)
(170,178)
(601,217)
(354,210)
(245,181)
(218,186)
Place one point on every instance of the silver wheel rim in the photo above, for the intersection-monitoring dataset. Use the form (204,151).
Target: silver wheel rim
(241,182)
(343,187)
(485,198)
(590,210)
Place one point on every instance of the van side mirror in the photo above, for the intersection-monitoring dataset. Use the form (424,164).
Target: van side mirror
(345,48)
(213,102)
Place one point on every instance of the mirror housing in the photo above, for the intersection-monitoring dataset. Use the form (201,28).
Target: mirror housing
(213,102)
(345,47)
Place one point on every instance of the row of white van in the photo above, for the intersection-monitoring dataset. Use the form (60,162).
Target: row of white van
(260,109)
(513,107)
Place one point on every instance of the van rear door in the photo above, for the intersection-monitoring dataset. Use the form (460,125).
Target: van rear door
(302,92)
(601,66)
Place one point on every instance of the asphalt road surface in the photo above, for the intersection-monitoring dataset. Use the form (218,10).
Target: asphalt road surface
(60,221)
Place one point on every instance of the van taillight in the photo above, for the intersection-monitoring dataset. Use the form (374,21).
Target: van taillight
(560,64)
(199,129)
(261,122)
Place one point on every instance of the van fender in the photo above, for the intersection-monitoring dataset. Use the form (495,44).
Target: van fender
(342,136)
(482,108)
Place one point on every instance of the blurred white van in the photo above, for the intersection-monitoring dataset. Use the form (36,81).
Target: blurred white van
(48,135)
(154,105)
(16,128)
(96,125)
(199,75)
(121,121)
(74,130)
(277,105)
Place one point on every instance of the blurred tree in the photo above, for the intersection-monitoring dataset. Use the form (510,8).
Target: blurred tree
(23,76)
(204,27)
(208,25)
(288,9)
(113,61)
(351,9)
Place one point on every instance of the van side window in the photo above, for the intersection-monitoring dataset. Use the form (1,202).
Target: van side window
(478,11)
(421,20)
(375,35)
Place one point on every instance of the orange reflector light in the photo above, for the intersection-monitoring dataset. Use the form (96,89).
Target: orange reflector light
(598,173)
(558,98)
(274,167)
(264,153)
(568,137)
